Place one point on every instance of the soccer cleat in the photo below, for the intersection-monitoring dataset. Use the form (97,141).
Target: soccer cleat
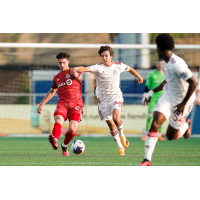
(188,132)
(53,141)
(122,151)
(144,137)
(161,138)
(145,162)
(65,151)
(124,141)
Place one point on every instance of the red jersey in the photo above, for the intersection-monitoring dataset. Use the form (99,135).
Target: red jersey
(69,89)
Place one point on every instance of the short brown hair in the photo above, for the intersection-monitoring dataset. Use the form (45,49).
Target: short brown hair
(63,55)
(106,48)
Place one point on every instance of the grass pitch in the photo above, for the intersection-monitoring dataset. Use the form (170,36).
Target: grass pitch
(100,151)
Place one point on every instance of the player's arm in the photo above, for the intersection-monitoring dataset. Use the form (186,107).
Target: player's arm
(144,95)
(192,86)
(133,72)
(75,70)
(48,96)
(151,92)
(77,74)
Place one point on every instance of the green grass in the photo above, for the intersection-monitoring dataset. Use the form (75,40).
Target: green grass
(100,151)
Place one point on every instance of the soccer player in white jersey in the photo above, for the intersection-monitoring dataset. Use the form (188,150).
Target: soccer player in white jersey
(107,74)
(176,101)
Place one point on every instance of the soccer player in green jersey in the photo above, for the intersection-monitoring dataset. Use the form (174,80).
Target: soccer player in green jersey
(154,79)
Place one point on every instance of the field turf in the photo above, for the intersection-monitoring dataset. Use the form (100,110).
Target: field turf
(100,151)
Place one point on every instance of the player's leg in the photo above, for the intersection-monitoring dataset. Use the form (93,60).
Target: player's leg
(162,111)
(59,118)
(74,119)
(179,125)
(152,135)
(105,113)
(114,133)
(116,114)
(56,132)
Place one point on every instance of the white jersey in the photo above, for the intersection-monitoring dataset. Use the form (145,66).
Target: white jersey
(177,73)
(108,80)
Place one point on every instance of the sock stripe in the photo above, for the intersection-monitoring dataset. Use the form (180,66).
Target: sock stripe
(120,123)
(113,133)
(152,133)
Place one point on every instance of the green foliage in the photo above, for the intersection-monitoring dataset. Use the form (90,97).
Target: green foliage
(24,89)
(12,38)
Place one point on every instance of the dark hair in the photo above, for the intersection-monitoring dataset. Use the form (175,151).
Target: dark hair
(63,55)
(165,42)
(106,48)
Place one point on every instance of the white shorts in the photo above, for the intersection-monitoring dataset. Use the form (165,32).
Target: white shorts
(106,108)
(165,107)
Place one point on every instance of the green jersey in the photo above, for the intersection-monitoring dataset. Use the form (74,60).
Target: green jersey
(155,79)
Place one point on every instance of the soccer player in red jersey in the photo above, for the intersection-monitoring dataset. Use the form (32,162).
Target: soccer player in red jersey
(69,105)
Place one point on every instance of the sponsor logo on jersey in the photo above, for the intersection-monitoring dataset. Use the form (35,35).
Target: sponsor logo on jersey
(67,76)
(68,81)
(115,72)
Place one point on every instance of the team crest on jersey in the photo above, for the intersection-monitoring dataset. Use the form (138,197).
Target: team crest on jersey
(115,72)
(77,108)
(67,76)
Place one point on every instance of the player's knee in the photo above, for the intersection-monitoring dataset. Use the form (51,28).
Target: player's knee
(72,130)
(116,120)
(155,125)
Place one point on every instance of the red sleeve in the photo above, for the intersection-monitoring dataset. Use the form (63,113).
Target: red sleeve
(54,84)
(79,73)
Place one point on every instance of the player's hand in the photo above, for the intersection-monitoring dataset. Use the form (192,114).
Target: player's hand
(143,99)
(179,109)
(140,80)
(39,109)
(149,96)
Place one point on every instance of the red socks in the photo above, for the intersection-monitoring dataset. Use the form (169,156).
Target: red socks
(68,137)
(57,130)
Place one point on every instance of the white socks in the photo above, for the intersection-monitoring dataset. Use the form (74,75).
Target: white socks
(150,143)
(182,130)
(120,128)
(115,136)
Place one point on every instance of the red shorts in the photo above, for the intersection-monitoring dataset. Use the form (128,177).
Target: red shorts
(72,111)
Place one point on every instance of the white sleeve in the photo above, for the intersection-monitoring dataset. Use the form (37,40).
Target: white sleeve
(124,67)
(93,68)
(183,71)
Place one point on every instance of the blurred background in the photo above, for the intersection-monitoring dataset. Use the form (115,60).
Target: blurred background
(26,76)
